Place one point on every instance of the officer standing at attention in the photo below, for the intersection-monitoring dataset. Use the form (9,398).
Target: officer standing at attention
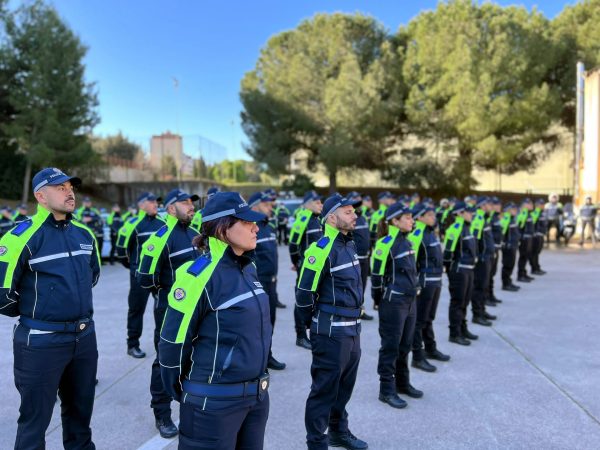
(21,214)
(587,214)
(197,220)
(525,223)
(460,257)
(362,240)
(132,236)
(266,259)
(554,213)
(429,258)
(510,245)
(163,253)
(482,230)
(215,339)
(494,221)
(283,216)
(48,266)
(367,207)
(306,230)
(385,199)
(395,286)
(114,222)
(91,218)
(329,298)
(6,222)
(540,229)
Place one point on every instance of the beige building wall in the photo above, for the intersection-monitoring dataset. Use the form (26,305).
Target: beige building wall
(590,164)
(164,145)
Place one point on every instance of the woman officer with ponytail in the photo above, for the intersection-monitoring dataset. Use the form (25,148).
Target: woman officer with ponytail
(395,285)
(216,335)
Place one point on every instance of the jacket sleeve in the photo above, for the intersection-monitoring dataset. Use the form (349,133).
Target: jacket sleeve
(175,344)
(294,253)
(308,284)
(10,275)
(95,262)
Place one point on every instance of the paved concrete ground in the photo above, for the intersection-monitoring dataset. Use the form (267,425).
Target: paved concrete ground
(531,381)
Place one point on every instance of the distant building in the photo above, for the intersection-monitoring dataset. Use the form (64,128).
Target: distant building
(589,178)
(167,158)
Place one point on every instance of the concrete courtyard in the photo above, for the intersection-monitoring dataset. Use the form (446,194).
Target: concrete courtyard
(532,381)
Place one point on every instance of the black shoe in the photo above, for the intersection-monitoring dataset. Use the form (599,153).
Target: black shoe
(510,288)
(304,343)
(539,272)
(166,428)
(424,365)
(136,352)
(365,316)
(346,440)
(529,278)
(495,300)
(410,391)
(393,400)
(516,287)
(489,316)
(490,303)
(459,340)
(466,333)
(437,355)
(479,320)
(280,305)
(274,364)
(523,279)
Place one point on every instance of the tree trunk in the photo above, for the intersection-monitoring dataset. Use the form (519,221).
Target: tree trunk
(465,169)
(332,181)
(26,181)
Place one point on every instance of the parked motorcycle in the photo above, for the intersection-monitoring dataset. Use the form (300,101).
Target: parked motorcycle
(569,223)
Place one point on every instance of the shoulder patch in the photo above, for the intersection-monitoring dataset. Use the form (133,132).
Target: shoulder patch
(457,225)
(179,294)
(417,232)
(133,219)
(312,259)
(161,232)
(3,250)
(21,228)
(303,219)
(199,265)
(386,239)
(322,243)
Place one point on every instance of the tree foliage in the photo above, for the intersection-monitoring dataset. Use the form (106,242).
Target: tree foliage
(117,146)
(53,105)
(324,87)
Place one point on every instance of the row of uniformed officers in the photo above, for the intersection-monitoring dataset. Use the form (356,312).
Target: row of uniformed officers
(213,276)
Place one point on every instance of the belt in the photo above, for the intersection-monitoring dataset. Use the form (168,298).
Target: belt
(466,266)
(252,388)
(60,327)
(339,310)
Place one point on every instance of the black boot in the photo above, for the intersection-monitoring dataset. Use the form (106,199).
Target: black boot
(166,428)
(437,355)
(393,400)
(466,333)
(424,365)
(510,288)
(346,440)
(489,316)
(523,279)
(479,320)
(302,341)
(459,340)
(274,364)
(410,391)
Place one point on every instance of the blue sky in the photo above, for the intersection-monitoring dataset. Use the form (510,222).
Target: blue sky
(137,47)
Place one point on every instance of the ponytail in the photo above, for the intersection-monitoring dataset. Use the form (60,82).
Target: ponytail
(215,228)
(383,228)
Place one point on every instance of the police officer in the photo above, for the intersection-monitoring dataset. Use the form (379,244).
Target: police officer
(442,213)
(114,222)
(395,285)
(131,212)
(283,216)
(510,244)
(482,230)
(525,223)
(91,217)
(197,220)
(385,199)
(362,240)
(587,214)
(554,214)
(429,260)
(460,256)
(329,298)
(540,225)
(6,222)
(267,260)
(48,266)
(216,335)
(163,253)
(494,221)
(132,236)
(306,230)
(21,213)
(367,207)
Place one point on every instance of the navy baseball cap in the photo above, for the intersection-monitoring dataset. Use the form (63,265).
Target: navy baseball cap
(222,204)
(212,191)
(4,208)
(461,207)
(148,196)
(86,199)
(421,208)
(51,176)
(397,209)
(541,201)
(332,203)
(310,196)
(496,201)
(526,200)
(355,198)
(272,194)
(366,198)
(177,195)
(384,194)
(22,206)
(259,197)
(482,200)
(509,205)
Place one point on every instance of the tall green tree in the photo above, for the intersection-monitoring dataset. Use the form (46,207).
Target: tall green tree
(479,81)
(324,87)
(118,146)
(54,106)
